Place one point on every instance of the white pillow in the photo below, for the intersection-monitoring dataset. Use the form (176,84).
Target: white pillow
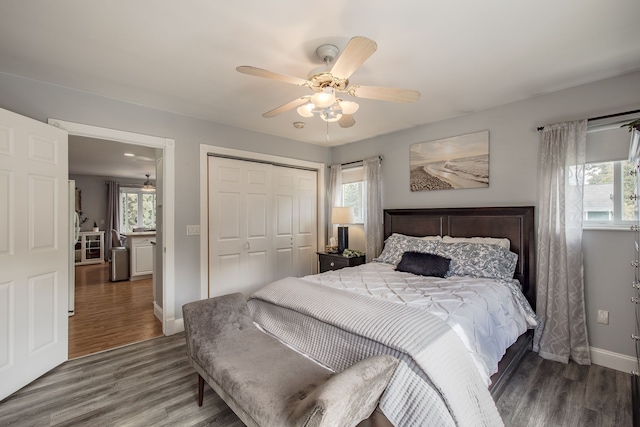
(438,238)
(503,243)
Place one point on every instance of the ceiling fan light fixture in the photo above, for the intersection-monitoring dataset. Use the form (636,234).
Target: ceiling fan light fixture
(334,77)
(330,116)
(148,186)
(305,110)
(348,107)
(324,99)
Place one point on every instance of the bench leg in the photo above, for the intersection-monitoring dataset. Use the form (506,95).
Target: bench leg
(200,389)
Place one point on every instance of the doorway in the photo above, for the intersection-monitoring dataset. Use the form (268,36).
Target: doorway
(110,314)
(165,198)
(108,176)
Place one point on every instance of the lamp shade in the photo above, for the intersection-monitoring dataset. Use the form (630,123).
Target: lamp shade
(342,215)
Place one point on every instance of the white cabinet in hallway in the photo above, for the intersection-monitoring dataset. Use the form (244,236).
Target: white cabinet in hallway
(90,248)
(140,247)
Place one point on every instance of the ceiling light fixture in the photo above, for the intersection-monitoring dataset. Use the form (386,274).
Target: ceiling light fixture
(148,186)
(325,105)
(129,155)
(324,99)
(330,78)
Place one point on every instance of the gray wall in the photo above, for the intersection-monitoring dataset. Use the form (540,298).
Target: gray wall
(513,181)
(94,199)
(42,101)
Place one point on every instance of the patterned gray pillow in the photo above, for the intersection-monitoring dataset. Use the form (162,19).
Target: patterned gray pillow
(479,260)
(398,244)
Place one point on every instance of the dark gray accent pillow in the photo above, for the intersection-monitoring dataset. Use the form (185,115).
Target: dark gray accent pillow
(424,264)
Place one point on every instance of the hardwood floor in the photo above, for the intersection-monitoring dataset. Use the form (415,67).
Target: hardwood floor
(110,314)
(152,384)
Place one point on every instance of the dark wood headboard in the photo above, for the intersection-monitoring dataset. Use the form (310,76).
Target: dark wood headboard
(516,223)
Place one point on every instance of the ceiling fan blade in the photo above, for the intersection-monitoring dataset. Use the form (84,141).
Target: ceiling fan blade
(384,93)
(346,121)
(259,72)
(354,54)
(286,107)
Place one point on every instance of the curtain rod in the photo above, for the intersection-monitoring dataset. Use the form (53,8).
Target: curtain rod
(357,161)
(124,184)
(608,116)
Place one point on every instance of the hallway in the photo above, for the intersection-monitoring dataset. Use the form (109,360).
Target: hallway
(110,314)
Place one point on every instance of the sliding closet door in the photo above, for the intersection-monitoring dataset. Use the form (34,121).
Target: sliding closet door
(295,199)
(262,224)
(240,227)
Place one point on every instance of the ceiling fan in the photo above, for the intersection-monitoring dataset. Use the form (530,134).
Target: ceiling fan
(326,81)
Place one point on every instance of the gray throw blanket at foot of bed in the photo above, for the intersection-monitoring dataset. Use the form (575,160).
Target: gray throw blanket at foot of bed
(436,382)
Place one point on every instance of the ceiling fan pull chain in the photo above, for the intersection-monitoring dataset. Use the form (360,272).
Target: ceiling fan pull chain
(327,131)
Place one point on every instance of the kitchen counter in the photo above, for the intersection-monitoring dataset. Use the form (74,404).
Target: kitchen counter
(140,233)
(140,245)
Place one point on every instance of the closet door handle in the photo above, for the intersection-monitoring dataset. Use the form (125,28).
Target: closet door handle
(247,246)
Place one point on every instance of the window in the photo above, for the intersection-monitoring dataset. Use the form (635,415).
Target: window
(609,186)
(608,191)
(353,196)
(353,192)
(137,209)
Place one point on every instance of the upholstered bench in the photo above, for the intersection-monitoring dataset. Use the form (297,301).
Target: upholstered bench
(267,383)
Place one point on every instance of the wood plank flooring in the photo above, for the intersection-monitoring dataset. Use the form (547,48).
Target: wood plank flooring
(152,384)
(110,314)
(544,393)
(146,384)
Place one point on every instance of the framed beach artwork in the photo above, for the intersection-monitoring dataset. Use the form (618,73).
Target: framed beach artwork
(450,163)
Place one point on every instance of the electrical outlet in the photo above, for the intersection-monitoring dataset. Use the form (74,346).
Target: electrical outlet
(193,230)
(603,317)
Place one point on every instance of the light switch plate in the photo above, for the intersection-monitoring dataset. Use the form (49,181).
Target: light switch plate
(193,230)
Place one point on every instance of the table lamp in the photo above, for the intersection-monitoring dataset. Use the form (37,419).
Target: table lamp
(342,215)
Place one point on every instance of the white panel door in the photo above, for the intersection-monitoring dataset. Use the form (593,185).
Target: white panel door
(34,250)
(240,247)
(295,222)
(306,220)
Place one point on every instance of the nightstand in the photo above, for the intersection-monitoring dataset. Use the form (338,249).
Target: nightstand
(337,261)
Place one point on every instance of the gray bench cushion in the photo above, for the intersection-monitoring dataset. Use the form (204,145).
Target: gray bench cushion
(267,383)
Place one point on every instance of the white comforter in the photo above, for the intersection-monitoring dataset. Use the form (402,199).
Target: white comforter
(436,383)
(488,315)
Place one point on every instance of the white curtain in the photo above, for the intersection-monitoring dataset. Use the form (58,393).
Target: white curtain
(560,288)
(373,219)
(335,196)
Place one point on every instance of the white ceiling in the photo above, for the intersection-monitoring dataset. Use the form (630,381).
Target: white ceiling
(91,156)
(180,56)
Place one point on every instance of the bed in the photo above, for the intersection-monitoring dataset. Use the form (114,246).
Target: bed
(332,317)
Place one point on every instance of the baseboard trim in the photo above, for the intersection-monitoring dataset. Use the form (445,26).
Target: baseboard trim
(157,311)
(174,326)
(609,359)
